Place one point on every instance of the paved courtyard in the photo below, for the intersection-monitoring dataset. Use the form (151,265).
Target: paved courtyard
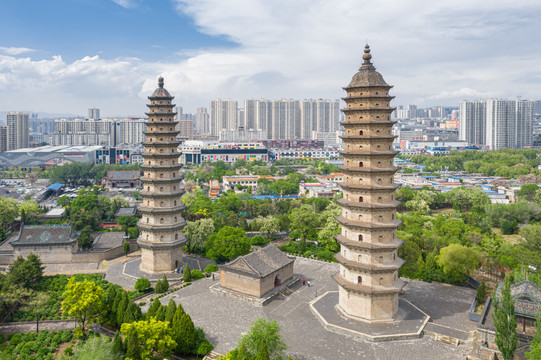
(225,318)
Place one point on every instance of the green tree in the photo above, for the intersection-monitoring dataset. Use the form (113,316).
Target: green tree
(38,303)
(187,275)
(133,349)
(184,335)
(165,283)
(459,261)
(132,313)
(264,332)
(142,284)
(480,296)
(171,310)
(268,225)
(83,300)
(532,235)
(129,221)
(241,352)
(9,210)
(25,271)
(85,240)
(535,346)
(505,323)
(227,244)
(465,199)
(122,308)
(262,354)
(126,248)
(528,191)
(304,221)
(153,338)
(153,308)
(118,347)
(197,233)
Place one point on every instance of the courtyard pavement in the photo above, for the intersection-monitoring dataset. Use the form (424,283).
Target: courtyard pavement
(225,318)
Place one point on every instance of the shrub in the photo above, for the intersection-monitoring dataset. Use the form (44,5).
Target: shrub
(196,274)
(259,240)
(187,275)
(480,297)
(69,351)
(142,284)
(210,268)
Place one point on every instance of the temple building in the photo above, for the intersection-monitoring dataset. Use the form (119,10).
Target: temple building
(161,239)
(257,273)
(368,282)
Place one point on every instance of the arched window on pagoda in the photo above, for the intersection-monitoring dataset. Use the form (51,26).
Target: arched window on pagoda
(360,199)
(359,279)
(361,133)
(360,237)
(161,220)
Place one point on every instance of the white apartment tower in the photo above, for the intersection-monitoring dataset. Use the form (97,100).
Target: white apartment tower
(17,130)
(508,123)
(472,127)
(202,121)
(94,113)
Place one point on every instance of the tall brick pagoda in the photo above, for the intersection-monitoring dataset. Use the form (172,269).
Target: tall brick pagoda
(368,281)
(161,239)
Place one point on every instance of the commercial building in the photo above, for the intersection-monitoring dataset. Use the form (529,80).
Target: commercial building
(48,156)
(185,128)
(17,130)
(196,152)
(161,239)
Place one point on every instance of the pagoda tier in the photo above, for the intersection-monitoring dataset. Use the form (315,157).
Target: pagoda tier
(368,280)
(161,224)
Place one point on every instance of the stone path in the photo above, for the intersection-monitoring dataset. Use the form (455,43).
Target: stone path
(30,326)
(225,319)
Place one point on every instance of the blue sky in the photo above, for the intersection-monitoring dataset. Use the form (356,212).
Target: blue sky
(64,56)
(149,30)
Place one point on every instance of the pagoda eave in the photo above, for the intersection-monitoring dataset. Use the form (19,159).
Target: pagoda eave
(161,227)
(392,169)
(382,109)
(365,225)
(374,268)
(368,122)
(363,205)
(162,195)
(369,97)
(350,185)
(396,288)
(369,245)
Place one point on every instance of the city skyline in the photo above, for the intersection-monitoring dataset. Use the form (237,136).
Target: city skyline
(109,62)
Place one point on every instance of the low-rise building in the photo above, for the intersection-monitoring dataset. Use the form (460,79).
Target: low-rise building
(310,190)
(257,273)
(122,179)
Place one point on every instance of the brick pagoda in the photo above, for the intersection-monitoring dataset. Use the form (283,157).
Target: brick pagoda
(368,280)
(161,239)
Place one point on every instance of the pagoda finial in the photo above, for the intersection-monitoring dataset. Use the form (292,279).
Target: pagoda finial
(367,56)
(160,82)
(367,65)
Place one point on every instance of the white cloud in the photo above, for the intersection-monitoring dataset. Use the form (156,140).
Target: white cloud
(127,4)
(15,50)
(433,53)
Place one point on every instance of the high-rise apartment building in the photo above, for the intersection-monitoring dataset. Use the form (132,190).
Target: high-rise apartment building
(94,113)
(202,121)
(3,138)
(185,128)
(223,116)
(17,130)
(110,132)
(472,126)
(497,123)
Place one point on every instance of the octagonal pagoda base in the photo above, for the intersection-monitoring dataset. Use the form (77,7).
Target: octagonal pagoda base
(159,260)
(409,322)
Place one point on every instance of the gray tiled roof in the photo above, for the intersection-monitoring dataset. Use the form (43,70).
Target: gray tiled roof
(122,175)
(107,240)
(45,235)
(260,263)
(527,297)
(126,211)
